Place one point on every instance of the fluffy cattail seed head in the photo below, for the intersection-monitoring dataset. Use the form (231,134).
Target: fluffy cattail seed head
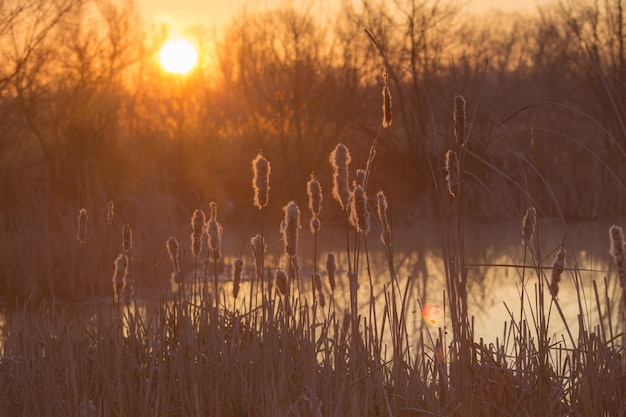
(340,159)
(345,325)
(237,268)
(128,287)
(453,176)
(360,177)
(120,271)
(82,226)
(528,226)
(261,181)
(214,231)
(617,250)
(386,100)
(385,234)
(459,120)
(331,268)
(290,227)
(258,249)
(315,225)
(314,191)
(197,226)
(174,254)
(127,239)
(282,282)
(557,270)
(317,282)
(360,216)
(110,213)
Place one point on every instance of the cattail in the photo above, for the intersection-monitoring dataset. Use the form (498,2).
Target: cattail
(345,325)
(258,249)
(452,167)
(528,226)
(360,216)
(260,181)
(173,251)
(110,213)
(617,250)
(386,100)
(237,268)
(315,225)
(340,159)
(289,228)
(360,177)
(121,269)
(294,267)
(314,191)
(127,239)
(557,270)
(385,234)
(282,284)
(331,268)
(214,231)
(197,225)
(128,287)
(459,120)
(317,282)
(82,226)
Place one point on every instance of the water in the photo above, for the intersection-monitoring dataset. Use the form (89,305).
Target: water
(494,257)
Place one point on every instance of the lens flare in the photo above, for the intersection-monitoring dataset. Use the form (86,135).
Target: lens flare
(433,315)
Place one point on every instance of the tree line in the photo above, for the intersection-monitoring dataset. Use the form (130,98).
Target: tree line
(87,113)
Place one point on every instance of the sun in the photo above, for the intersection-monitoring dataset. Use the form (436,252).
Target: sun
(178,56)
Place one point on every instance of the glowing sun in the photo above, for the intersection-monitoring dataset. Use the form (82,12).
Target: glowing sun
(178,56)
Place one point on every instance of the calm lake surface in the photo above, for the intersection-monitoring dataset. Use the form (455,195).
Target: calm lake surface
(494,257)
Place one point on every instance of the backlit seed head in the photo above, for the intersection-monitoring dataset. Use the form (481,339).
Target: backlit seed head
(386,100)
(120,271)
(385,234)
(314,191)
(315,225)
(82,226)
(459,120)
(258,251)
(214,232)
(557,270)
(282,282)
(237,268)
(260,181)
(360,215)
(340,159)
(127,239)
(110,213)
(317,282)
(331,268)
(453,176)
(528,226)
(360,177)
(290,227)
(197,226)
(617,250)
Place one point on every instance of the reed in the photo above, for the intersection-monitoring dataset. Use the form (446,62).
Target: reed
(273,355)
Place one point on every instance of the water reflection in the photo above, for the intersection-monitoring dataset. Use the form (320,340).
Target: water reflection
(494,257)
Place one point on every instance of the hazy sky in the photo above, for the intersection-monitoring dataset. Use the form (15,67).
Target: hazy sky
(183,13)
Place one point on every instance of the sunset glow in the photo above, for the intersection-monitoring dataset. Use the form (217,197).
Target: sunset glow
(178,56)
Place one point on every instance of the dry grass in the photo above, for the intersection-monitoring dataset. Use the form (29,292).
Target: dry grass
(279,352)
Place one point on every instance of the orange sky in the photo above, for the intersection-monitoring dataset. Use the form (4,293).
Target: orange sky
(184,13)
